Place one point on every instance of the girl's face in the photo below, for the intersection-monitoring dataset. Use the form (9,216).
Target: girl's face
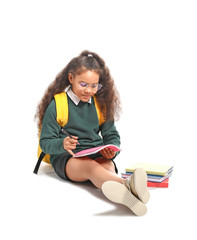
(84,85)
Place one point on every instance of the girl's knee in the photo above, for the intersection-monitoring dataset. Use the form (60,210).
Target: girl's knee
(107,164)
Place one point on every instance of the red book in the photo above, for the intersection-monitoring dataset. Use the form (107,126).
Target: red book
(163,184)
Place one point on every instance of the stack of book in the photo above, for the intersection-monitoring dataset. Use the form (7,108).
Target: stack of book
(157,175)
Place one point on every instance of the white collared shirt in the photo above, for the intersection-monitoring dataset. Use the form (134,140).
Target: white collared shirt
(74,97)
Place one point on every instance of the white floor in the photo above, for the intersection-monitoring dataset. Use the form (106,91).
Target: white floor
(45,207)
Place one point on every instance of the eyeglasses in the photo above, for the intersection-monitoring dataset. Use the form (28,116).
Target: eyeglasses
(94,87)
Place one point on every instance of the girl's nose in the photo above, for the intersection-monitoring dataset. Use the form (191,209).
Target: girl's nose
(88,89)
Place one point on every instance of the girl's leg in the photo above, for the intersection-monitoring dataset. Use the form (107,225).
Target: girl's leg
(98,172)
(83,169)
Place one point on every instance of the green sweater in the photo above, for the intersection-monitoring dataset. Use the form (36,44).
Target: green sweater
(82,122)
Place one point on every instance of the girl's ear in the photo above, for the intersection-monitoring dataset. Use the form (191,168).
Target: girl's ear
(70,78)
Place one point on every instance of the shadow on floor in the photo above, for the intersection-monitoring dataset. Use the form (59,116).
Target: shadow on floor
(119,210)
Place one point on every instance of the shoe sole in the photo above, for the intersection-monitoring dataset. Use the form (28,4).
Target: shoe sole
(140,184)
(118,193)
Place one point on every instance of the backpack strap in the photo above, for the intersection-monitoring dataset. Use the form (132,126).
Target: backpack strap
(61,101)
(39,162)
(101,117)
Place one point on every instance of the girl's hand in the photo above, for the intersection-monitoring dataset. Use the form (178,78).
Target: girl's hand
(108,153)
(69,144)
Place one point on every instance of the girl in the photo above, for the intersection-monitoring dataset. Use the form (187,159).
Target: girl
(86,76)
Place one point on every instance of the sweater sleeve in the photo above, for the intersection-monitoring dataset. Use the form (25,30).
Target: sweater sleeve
(50,141)
(109,133)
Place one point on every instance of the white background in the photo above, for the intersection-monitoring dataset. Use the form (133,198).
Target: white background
(150,48)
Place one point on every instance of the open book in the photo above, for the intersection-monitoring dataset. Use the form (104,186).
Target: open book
(94,150)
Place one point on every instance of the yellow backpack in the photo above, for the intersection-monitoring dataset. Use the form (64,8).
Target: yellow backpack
(62,110)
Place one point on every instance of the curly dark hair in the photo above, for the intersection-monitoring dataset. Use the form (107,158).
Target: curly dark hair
(107,97)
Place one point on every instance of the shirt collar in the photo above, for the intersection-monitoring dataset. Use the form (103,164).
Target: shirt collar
(74,97)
